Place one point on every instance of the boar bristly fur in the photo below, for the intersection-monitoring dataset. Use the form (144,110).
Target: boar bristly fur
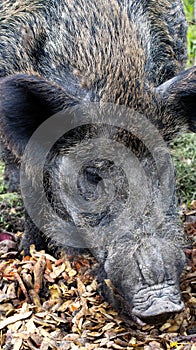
(74,57)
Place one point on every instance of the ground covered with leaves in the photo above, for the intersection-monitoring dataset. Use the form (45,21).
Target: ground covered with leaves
(47,303)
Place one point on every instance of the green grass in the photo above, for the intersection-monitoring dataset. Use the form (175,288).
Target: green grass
(184,157)
(12,198)
(184,147)
(2,188)
(191,34)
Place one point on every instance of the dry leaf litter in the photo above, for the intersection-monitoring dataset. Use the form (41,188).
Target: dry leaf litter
(47,304)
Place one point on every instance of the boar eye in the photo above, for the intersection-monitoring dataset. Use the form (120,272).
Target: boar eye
(92,176)
(88,180)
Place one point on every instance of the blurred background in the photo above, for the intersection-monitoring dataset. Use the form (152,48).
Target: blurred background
(184,147)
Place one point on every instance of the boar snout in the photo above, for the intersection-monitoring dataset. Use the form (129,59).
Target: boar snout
(156,304)
(146,277)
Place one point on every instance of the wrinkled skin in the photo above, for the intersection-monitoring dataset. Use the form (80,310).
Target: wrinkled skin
(148,281)
(67,55)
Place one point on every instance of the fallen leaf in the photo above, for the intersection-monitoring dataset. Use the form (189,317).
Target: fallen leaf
(15,318)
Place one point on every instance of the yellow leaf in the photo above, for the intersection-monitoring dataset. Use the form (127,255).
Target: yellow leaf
(55,291)
(173,344)
(72,273)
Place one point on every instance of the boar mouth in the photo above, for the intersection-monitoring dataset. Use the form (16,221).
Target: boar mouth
(155,304)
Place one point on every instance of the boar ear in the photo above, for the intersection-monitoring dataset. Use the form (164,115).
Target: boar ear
(25,103)
(179,96)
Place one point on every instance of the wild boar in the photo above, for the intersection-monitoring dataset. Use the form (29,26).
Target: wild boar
(98,174)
